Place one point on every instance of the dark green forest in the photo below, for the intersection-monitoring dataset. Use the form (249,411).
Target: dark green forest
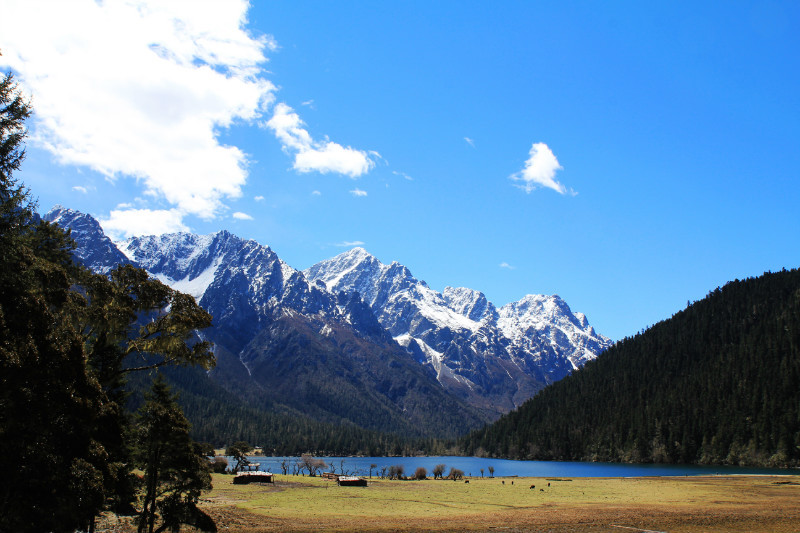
(220,418)
(718,383)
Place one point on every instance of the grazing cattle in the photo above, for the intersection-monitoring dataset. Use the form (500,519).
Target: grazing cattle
(466,481)
(533,487)
(541,490)
(504,482)
(548,484)
(512,481)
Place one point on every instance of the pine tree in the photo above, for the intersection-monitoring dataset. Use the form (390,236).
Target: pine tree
(53,466)
(174,474)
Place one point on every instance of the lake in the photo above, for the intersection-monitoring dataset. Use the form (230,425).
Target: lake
(471,466)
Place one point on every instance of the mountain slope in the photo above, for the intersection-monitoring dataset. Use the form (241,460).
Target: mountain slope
(493,358)
(717,383)
(283,343)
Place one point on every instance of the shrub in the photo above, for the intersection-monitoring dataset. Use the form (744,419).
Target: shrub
(219,465)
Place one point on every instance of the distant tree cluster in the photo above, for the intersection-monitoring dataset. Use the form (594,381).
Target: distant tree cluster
(718,383)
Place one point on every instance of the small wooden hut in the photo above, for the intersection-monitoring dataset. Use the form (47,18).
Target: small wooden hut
(351,481)
(252,477)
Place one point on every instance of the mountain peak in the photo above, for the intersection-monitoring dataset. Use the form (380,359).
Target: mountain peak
(95,249)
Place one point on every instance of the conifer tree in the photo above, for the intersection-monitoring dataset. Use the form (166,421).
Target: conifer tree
(174,473)
(53,466)
(67,339)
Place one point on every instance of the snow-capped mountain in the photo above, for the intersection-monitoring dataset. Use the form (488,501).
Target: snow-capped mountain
(352,323)
(282,341)
(103,254)
(476,350)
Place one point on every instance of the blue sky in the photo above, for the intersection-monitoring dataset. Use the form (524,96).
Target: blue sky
(627,156)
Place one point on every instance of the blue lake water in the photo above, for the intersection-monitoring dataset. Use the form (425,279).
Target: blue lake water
(471,466)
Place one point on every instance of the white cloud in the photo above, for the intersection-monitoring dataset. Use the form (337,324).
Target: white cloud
(358,192)
(81,189)
(141,89)
(349,244)
(540,170)
(506,266)
(258,198)
(238,215)
(470,141)
(316,193)
(122,224)
(403,175)
(316,156)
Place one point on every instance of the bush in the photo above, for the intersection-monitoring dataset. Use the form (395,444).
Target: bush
(421,473)
(219,465)
(396,472)
(456,474)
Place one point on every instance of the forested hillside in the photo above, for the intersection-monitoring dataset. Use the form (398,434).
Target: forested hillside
(219,417)
(719,382)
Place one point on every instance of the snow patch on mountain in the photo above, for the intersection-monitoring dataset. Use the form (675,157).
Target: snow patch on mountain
(195,286)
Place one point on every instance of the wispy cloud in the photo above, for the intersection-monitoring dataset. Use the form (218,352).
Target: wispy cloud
(316,193)
(141,89)
(402,175)
(349,244)
(316,156)
(506,266)
(238,215)
(81,189)
(540,171)
(258,198)
(358,192)
(470,141)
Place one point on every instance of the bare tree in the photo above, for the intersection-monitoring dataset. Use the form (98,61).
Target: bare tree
(373,465)
(438,471)
(491,471)
(455,474)
(396,471)
(285,466)
(421,473)
(481,472)
(383,471)
(312,464)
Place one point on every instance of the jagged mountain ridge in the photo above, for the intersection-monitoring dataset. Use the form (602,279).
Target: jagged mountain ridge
(474,353)
(476,350)
(282,342)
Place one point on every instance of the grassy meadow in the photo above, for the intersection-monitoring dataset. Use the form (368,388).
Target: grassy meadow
(689,504)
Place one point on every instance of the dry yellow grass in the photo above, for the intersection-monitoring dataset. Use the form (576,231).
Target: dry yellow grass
(690,504)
